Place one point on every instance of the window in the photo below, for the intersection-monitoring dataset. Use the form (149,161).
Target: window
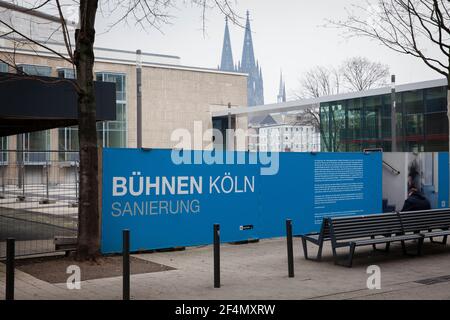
(365,122)
(3,67)
(37,142)
(118,79)
(68,141)
(413,112)
(3,148)
(436,122)
(372,122)
(67,73)
(114,133)
(35,70)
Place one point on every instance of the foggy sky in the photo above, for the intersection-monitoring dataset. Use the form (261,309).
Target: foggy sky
(288,35)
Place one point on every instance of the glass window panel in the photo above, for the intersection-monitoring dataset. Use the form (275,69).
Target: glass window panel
(34,70)
(337,126)
(436,100)
(39,142)
(118,79)
(3,67)
(116,139)
(325,127)
(354,125)
(113,133)
(3,148)
(67,73)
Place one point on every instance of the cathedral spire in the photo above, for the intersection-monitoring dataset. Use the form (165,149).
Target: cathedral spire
(282,90)
(227,63)
(248,54)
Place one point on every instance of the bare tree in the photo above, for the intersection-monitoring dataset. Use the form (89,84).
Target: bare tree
(354,74)
(319,81)
(80,54)
(418,28)
(359,74)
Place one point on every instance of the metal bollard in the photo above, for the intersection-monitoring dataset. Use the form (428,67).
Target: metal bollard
(10,265)
(216,256)
(290,250)
(126,264)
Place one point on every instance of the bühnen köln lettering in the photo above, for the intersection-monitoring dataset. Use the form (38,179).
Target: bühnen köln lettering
(140,195)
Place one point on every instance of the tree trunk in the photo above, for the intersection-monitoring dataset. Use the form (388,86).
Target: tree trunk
(88,215)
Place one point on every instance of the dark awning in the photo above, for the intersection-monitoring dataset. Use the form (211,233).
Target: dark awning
(38,103)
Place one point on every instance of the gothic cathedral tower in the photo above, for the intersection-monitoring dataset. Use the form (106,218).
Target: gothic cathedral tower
(248,64)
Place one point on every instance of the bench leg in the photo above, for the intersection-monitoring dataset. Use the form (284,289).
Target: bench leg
(305,248)
(444,240)
(404,248)
(349,261)
(351,254)
(335,256)
(386,249)
(419,246)
(319,252)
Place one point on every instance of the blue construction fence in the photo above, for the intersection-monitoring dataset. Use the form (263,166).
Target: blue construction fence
(170,200)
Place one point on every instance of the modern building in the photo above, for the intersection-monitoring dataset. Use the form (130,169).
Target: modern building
(362,120)
(282,133)
(248,64)
(173,97)
(289,138)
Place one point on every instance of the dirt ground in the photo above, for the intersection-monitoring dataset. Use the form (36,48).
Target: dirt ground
(53,269)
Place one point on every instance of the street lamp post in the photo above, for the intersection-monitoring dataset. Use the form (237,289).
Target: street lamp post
(393,115)
(139,98)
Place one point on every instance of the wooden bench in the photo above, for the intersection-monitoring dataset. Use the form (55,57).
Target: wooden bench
(430,223)
(356,231)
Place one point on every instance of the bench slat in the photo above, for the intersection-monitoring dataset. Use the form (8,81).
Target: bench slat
(387,239)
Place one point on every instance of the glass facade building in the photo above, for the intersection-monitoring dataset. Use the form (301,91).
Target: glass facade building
(365,122)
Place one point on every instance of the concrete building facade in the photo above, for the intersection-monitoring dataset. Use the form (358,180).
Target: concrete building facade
(173,97)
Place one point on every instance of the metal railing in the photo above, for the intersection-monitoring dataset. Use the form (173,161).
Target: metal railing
(38,199)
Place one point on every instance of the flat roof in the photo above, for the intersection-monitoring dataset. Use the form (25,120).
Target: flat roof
(305,103)
(118,56)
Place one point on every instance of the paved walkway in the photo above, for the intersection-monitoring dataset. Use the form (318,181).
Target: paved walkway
(259,271)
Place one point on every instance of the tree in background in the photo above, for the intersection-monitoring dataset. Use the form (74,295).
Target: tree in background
(354,74)
(80,54)
(319,81)
(359,74)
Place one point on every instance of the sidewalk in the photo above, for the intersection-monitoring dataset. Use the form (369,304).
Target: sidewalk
(259,271)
